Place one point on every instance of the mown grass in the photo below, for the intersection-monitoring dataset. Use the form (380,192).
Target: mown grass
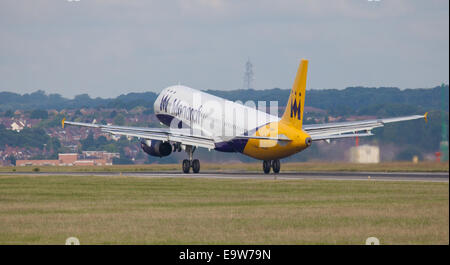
(129,210)
(250,167)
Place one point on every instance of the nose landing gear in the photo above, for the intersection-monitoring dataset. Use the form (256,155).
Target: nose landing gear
(274,164)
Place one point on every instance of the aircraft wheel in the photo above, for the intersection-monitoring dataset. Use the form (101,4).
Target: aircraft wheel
(266,166)
(196,165)
(186,166)
(276,165)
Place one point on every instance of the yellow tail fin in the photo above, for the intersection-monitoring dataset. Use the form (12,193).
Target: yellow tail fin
(293,115)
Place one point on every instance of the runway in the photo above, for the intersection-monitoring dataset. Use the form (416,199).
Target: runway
(338,175)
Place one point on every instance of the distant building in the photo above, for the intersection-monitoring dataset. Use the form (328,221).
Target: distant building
(100,154)
(67,159)
(37,162)
(92,162)
(17,126)
(101,158)
(365,154)
(5,163)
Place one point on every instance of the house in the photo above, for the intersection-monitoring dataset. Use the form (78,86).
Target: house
(365,154)
(17,126)
(37,163)
(73,159)
(67,159)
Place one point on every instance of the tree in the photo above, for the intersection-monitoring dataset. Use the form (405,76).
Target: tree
(9,113)
(119,119)
(113,114)
(39,114)
(12,159)
(101,141)
(88,143)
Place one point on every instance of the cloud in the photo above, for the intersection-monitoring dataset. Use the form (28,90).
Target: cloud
(105,48)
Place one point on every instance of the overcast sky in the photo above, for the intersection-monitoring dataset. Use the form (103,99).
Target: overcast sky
(110,47)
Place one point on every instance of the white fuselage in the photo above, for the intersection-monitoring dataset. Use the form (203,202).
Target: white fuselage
(182,106)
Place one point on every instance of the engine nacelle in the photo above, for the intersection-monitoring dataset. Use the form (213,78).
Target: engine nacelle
(156,147)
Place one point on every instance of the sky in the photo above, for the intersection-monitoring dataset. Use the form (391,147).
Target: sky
(110,47)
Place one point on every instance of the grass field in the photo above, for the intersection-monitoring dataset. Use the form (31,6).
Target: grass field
(254,167)
(129,210)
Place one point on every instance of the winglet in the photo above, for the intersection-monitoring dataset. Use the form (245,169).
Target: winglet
(62,122)
(425,116)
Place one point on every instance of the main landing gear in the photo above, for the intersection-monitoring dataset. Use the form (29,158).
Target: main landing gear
(190,163)
(274,164)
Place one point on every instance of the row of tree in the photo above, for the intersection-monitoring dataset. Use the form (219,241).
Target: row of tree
(349,101)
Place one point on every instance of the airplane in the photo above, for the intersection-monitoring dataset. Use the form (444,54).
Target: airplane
(198,119)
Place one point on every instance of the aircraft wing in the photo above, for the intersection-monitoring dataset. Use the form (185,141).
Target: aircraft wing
(336,130)
(162,134)
(183,136)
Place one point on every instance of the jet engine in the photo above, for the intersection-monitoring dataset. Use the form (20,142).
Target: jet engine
(156,147)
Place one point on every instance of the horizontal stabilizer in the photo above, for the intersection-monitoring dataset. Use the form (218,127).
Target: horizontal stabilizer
(338,136)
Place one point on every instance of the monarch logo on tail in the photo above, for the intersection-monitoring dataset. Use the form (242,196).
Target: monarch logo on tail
(293,115)
(296,108)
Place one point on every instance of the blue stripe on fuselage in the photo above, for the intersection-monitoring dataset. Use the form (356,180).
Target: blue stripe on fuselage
(165,119)
(235,145)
